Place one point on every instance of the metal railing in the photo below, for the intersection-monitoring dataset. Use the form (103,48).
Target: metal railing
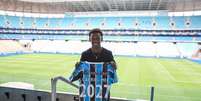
(54,85)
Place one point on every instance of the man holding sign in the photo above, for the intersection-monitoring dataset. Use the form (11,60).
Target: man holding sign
(96,71)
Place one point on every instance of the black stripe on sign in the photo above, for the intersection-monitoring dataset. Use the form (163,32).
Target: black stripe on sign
(93,80)
(104,82)
(81,89)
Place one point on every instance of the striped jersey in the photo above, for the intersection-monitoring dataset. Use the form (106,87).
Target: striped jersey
(95,80)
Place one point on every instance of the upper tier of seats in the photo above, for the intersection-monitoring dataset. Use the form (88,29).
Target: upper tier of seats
(139,22)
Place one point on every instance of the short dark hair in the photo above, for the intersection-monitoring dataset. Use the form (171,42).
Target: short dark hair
(96,30)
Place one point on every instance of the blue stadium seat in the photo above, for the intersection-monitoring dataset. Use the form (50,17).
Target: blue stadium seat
(2,21)
(54,23)
(96,22)
(144,38)
(128,23)
(41,22)
(14,21)
(28,21)
(81,23)
(184,38)
(112,22)
(162,22)
(66,22)
(179,22)
(164,38)
(195,22)
(198,39)
(145,22)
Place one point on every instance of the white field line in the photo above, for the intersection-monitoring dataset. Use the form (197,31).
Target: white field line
(174,78)
(167,72)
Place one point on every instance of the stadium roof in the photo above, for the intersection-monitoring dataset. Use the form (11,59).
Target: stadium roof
(62,6)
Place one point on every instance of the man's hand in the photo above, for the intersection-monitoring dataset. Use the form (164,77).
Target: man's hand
(113,64)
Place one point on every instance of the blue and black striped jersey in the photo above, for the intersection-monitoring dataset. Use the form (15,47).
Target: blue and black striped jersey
(95,80)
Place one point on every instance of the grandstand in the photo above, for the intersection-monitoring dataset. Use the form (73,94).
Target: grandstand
(134,29)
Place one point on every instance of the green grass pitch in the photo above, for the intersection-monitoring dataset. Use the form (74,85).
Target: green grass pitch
(173,79)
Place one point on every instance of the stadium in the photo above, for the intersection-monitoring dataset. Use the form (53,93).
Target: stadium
(156,45)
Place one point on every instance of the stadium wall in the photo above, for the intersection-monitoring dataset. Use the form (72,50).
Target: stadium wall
(15,94)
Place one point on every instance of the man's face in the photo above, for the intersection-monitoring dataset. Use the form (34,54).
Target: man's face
(95,39)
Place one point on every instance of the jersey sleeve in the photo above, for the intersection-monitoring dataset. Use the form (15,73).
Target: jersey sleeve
(112,74)
(76,73)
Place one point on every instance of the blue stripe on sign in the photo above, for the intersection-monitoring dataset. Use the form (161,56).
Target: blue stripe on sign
(104,82)
(86,78)
(110,73)
(99,69)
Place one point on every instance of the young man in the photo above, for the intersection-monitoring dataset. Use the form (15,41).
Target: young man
(97,53)
(97,77)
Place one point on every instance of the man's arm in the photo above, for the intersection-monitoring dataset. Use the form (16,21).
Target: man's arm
(75,76)
(113,63)
(83,57)
(76,73)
